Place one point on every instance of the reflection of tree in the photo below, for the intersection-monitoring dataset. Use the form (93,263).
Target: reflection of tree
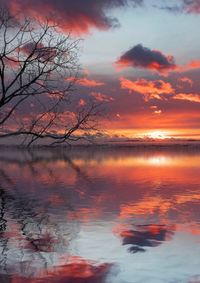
(32,157)
(3,221)
(37,227)
(41,232)
(25,215)
(2,211)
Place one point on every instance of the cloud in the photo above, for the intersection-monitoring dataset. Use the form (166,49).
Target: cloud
(192,97)
(85,82)
(156,90)
(78,16)
(146,58)
(143,57)
(40,51)
(11,62)
(186,80)
(81,102)
(101,97)
(183,6)
(63,117)
(89,83)
(192,65)
(156,110)
(149,89)
(195,64)
(192,6)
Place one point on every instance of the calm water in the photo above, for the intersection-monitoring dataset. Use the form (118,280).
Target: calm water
(100,216)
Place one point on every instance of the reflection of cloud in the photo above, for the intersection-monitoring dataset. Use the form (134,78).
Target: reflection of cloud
(77,270)
(147,206)
(162,205)
(146,236)
(100,175)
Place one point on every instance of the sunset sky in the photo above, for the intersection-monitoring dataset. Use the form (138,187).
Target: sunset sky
(142,58)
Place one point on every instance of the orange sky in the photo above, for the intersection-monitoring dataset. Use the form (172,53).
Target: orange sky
(145,72)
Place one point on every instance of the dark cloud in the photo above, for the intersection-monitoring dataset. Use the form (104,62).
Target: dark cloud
(40,51)
(191,6)
(143,57)
(183,6)
(78,16)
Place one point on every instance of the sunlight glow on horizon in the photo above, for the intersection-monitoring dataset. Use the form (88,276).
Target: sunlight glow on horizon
(157,134)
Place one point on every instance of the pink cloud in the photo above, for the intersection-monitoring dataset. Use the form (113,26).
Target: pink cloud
(101,97)
(149,89)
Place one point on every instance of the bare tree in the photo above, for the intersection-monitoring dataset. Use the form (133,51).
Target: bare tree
(38,69)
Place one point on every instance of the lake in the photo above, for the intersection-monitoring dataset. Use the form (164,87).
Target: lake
(100,215)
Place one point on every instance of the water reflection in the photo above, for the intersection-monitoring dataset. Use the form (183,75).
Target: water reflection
(89,215)
(77,271)
(151,235)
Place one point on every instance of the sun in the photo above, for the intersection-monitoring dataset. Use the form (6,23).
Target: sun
(158,135)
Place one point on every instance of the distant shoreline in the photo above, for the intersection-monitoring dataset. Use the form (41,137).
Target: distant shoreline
(114,144)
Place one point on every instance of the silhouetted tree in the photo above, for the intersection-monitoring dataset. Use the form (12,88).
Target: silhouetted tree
(38,69)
